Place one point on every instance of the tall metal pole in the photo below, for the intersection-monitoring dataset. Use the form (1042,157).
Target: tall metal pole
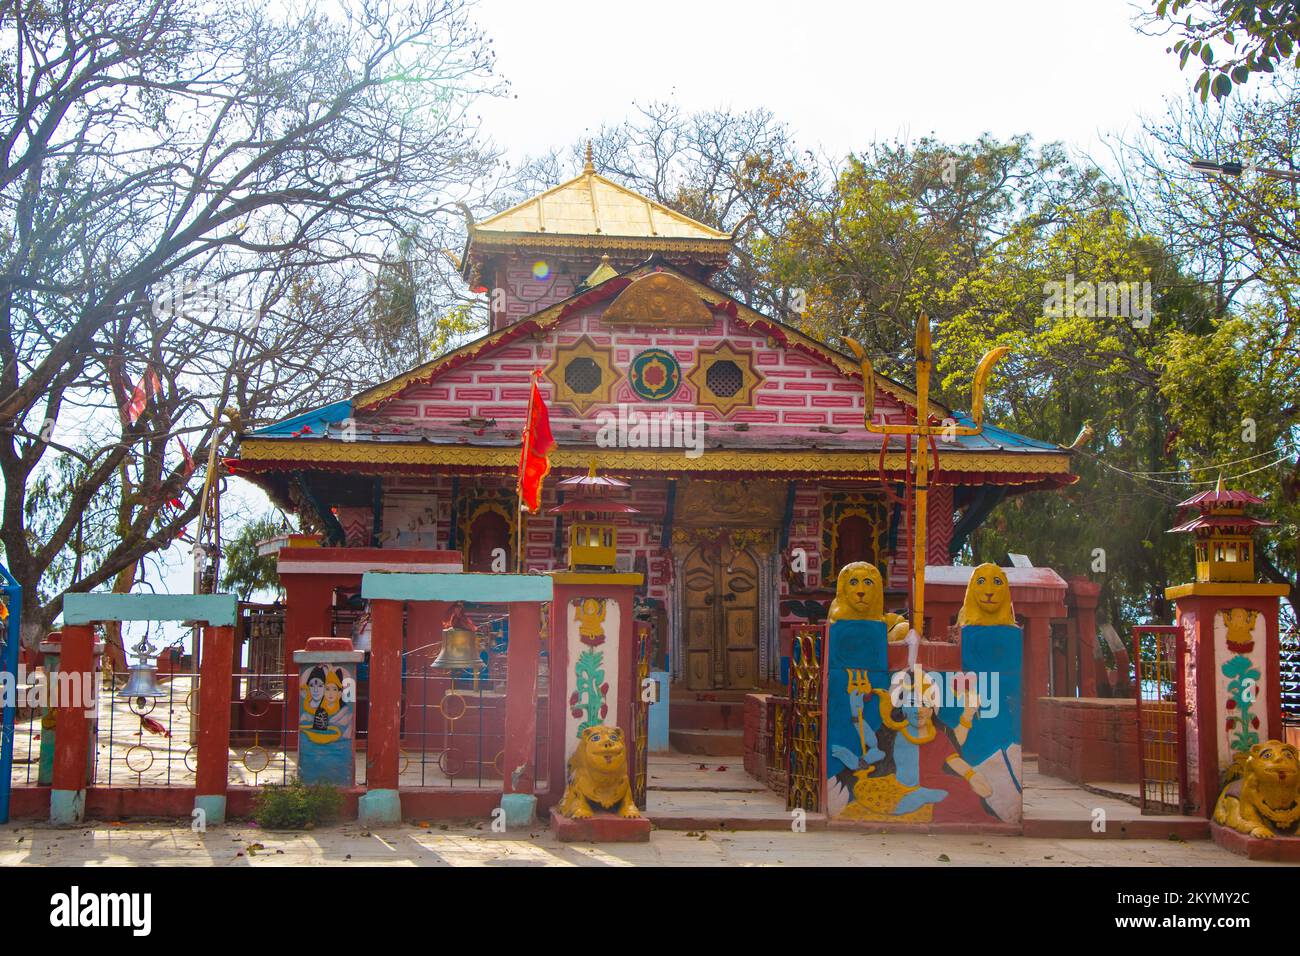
(519,482)
(923,365)
(923,431)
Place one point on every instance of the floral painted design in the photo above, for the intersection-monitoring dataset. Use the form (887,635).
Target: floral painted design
(588,701)
(1243,690)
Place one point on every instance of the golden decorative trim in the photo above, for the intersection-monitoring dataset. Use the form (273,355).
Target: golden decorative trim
(724,404)
(660,299)
(582,401)
(616,460)
(633,578)
(1225,589)
(511,241)
(761,540)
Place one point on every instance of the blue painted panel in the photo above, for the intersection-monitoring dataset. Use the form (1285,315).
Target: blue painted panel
(216,609)
(853,715)
(452,586)
(657,728)
(993,653)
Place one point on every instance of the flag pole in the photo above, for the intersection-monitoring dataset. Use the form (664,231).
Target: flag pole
(519,479)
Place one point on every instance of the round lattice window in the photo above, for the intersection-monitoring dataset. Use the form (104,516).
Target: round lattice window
(724,378)
(582,375)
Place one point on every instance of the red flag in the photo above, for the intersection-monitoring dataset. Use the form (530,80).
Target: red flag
(534,457)
(148,387)
(189,459)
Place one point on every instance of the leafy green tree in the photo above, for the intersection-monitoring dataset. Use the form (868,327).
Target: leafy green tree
(244,571)
(1230,39)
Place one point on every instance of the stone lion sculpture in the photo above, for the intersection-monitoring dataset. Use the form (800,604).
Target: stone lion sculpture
(1263,801)
(598,776)
(988,598)
(860,596)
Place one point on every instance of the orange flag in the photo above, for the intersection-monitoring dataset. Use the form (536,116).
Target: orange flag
(534,457)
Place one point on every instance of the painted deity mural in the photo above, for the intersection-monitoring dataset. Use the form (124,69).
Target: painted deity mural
(593,655)
(922,746)
(326,719)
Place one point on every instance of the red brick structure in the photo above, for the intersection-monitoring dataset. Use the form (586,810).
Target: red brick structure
(1088,739)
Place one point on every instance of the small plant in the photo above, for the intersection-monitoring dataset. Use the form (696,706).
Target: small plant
(297,805)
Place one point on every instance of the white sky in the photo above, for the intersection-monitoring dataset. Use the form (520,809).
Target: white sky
(839,73)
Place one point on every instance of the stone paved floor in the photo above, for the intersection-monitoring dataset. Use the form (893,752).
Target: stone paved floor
(475,845)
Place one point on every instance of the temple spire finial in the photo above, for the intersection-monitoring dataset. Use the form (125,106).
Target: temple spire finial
(589,166)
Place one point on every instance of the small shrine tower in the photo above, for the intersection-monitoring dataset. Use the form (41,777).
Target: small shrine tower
(1230,665)
(1225,546)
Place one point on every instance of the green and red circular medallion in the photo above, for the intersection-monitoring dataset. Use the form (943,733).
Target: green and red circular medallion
(655,375)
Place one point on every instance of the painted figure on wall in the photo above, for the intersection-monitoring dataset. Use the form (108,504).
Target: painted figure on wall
(992,651)
(325,722)
(924,772)
(856,665)
(922,746)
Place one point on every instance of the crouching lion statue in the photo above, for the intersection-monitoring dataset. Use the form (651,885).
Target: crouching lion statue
(1263,801)
(598,776)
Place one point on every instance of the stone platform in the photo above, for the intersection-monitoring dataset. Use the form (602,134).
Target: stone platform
(686,792)
(1277,850)
(601,828)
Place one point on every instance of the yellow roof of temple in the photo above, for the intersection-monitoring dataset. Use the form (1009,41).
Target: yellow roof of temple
(591,205)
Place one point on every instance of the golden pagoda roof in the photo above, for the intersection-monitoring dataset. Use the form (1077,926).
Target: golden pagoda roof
(591,205)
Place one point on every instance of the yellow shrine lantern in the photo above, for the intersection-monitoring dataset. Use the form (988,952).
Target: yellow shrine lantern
(1225,534)
(593,535)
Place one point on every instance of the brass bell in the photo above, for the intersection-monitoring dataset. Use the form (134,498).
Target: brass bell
(460,648)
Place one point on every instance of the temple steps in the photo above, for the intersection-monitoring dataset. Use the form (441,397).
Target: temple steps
(708,743)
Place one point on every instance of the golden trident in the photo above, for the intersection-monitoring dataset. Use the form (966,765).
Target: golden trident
(924,430)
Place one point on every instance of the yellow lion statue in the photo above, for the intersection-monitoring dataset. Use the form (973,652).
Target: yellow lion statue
(860,596)
(1263,802)
(988,598)
(598,776)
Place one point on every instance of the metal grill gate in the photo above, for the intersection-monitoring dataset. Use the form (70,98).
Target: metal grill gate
(1159,662)
(804,731)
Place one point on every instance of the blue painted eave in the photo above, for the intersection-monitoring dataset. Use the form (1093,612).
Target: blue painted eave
(318,420)
(1009,440)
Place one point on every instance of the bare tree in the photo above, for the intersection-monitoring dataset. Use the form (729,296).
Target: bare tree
(187,189)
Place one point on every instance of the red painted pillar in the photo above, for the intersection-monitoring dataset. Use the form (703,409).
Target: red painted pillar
(1037,648)
(383,740)
(72,741)
(521,696)
(1082,598)
(424,687)
(214,721)
(308,600)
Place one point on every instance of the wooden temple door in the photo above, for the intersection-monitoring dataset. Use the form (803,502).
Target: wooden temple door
(488,532)
(721,621)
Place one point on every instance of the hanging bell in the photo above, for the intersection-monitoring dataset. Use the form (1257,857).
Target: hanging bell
(459,649)
(142,682)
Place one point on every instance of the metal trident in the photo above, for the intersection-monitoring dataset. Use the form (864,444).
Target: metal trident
(923,430)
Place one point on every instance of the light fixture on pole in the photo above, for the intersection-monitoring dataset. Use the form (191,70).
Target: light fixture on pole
(1235,169)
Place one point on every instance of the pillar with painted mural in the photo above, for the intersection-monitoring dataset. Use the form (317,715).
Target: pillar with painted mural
(1230,669)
